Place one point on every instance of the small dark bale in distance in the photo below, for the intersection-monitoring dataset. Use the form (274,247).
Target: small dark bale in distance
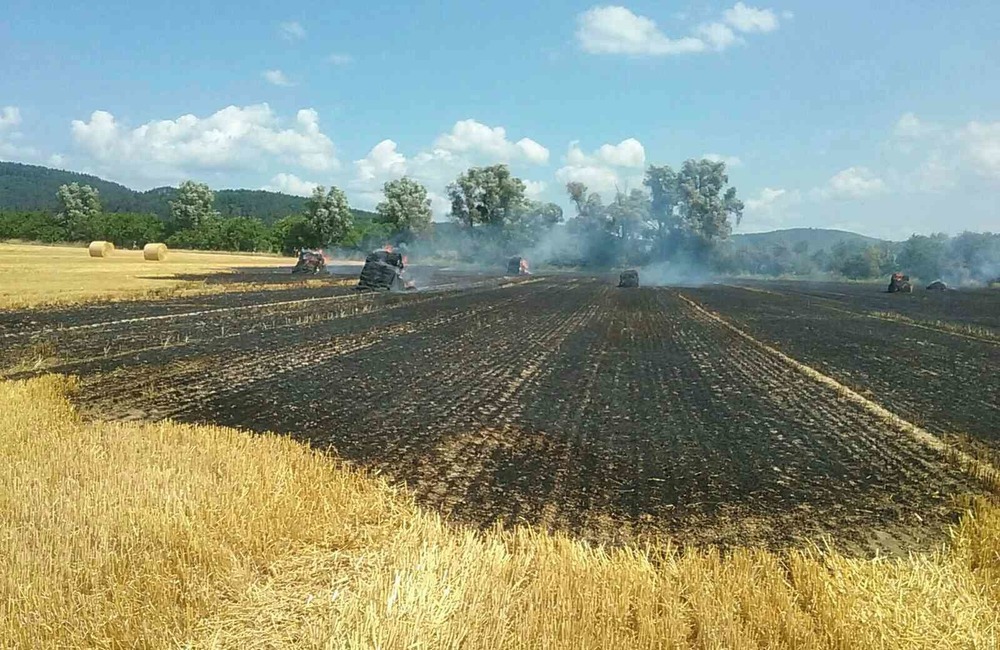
(937,285)
(629,279)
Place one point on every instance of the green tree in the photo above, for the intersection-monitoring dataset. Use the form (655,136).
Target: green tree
(330,215)
(664,195)
(193,206)
(78,206)
(406,210)
(924,256)
(706,206)
(488,196)
(294,233)
(126,230)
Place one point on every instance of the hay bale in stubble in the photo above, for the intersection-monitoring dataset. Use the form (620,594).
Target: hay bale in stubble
(100,248)
(154,252)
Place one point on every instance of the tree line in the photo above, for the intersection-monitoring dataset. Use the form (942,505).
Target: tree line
(681,217)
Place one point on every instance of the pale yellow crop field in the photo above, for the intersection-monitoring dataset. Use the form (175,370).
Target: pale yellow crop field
(33,275)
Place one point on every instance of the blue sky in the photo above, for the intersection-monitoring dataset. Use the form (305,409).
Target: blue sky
(876,117)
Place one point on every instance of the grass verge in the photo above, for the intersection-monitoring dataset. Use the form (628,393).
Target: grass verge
(159,535)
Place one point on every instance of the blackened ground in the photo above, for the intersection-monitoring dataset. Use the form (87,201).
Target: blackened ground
(559,401)
(944,379)
(612,414)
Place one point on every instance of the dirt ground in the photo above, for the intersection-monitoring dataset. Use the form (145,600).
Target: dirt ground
(561,401)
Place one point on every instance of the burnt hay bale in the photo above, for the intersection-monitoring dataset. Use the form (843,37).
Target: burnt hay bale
(629,279)
(380,271)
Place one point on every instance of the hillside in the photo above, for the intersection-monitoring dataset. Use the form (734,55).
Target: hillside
(814,238)
(32,187)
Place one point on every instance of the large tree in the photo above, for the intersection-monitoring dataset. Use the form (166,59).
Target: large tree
(193,207)
(694,208)
(79,205)
(663,194)
(489,196)
(406,208)
(329,214)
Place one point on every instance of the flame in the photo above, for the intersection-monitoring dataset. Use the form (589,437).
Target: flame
(405,260)
(387,248)
(524,265)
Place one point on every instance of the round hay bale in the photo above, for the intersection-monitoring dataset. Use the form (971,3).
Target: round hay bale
(100,248)
(154,252)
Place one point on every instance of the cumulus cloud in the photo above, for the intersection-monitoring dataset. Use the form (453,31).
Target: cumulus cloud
(731,161)
(276,77)
(616,30)
(10,116)
(382,163)
(853,183)
(469,143)
(750,19)
(232,138)
(534,189)
(290,184)
(292,31)
(766,200)
(627,153)
(10,137)
(981,143)
(610,166)
(475,137)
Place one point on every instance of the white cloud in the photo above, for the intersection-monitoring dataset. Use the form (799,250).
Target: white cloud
(981,142)
(610,166)
(340,59)
(470,136)
(627,153)
(909,126)
(616,30)
(382,163)
(534,189)
(749,19)
(731,161)
(602,180)
(57,160)
(290,184)
(292,31)
(717,36)
(853,183)
(277,78)
(10,119)
(766,200)
(235,137)
(10,116)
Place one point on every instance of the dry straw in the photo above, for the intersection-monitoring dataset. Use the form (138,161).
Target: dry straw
(154,252)
(101,248)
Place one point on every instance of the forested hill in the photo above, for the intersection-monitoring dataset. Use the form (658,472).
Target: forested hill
(31,187)
(814,239)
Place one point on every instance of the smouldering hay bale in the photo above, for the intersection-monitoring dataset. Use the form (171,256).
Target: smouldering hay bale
(154,252)
(101,248)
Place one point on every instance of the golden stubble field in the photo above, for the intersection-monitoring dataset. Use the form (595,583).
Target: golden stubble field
(32,275)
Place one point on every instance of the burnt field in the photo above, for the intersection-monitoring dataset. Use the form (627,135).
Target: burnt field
(614,415)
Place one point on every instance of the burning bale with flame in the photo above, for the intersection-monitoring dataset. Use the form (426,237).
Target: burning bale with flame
(383,270)
(310,262)
(517,266)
